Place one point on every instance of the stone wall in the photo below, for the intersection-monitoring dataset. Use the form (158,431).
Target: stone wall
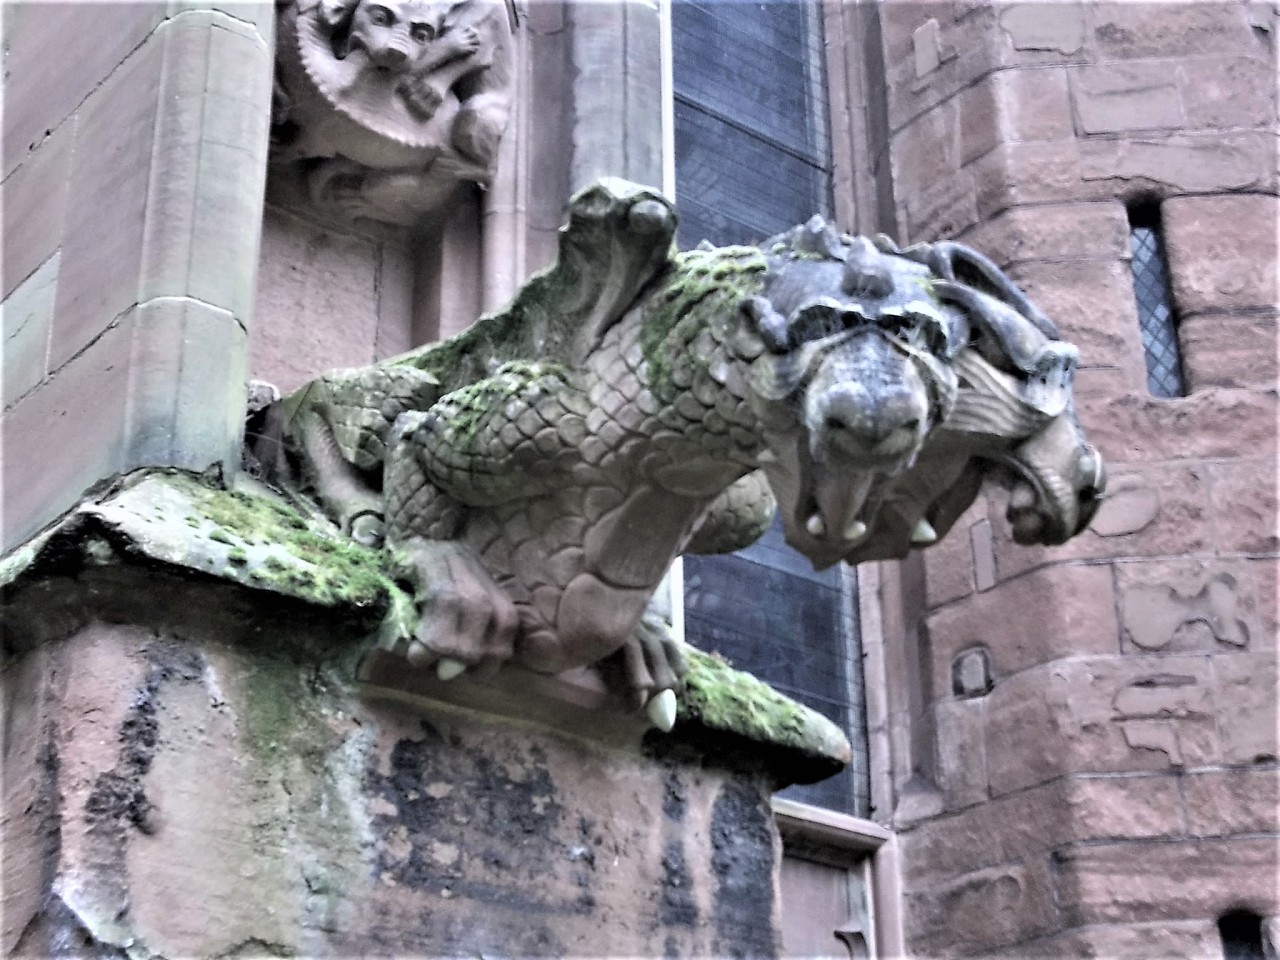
(1086,745)
(246,804)
(135,140)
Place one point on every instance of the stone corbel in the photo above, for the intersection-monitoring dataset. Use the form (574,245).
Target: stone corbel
(384,107)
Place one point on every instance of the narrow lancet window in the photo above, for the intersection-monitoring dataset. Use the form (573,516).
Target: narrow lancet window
(1155,303)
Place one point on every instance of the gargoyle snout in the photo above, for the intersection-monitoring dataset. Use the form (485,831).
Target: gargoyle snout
(393,55)
(880,424)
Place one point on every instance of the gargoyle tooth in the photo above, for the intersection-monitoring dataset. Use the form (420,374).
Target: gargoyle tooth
(1022,497)
(924,532)
(856,530)
(815,526)
(448,668)
(661,710)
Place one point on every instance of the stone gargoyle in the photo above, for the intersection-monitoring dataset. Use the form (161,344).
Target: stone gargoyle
(382,107)
(533,477)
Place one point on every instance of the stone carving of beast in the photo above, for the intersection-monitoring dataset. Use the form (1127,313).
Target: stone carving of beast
(533,478)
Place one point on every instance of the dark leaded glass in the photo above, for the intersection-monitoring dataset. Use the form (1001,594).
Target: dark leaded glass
(750,118)
(752,160)
(1155,313)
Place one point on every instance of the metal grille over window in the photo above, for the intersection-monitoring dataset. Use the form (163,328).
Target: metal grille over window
(1155,306)
(752,160)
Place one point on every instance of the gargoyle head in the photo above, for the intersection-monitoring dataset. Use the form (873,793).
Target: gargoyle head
(392,33)
(889,383)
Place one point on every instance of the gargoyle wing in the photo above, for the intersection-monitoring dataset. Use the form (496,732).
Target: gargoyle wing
(617,239)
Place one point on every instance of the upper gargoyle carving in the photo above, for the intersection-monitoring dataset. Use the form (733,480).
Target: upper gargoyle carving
(383,106)
(533,477)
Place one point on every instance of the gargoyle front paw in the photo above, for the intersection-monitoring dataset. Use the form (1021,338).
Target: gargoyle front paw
(466,621)
(653,668)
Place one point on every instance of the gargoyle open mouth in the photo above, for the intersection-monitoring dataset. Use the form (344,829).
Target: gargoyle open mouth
(1056,483)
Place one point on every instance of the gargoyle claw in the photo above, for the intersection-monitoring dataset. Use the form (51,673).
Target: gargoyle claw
(661,710)
(447,668)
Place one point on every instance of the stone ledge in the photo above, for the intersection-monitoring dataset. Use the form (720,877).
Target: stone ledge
(167,546)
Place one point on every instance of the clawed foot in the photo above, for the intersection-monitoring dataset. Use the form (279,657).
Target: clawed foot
(465,621)
(653,668)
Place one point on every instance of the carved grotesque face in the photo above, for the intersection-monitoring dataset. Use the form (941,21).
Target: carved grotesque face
(393,33)
(887,389)
(849,387)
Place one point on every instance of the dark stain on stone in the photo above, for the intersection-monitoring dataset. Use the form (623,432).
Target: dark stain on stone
(479,829)
(670,949)
(674,797)
(57,931)
(742,854)
(676,907)
(118,795)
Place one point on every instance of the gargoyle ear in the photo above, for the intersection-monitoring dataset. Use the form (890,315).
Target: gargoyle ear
(335,13)
(762,328)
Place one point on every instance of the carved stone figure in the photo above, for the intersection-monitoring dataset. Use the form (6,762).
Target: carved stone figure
(533,477)
(383,107)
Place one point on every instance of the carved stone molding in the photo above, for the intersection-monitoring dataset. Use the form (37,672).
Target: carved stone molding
(383,107)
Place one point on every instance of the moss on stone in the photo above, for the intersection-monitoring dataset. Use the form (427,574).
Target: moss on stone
(700,288)
(722,698)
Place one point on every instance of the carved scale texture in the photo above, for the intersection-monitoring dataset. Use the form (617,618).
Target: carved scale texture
(549,473)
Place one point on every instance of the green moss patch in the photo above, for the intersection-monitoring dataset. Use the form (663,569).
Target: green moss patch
(728,700)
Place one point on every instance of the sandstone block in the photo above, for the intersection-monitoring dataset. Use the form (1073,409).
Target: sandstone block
(102,252)
(78,415)
(1186,605)
(927,151)
(1092,303)
(962,760)
(1223,349)
(948,564)
(1059,28)
(1243,493)
(1140,882)
(1157,511)
(1246,702)
(1030,823)
(1167,939)
(87,41)
(1101,715)
(1216,270)
(943,209)
(34,201)
(395,302)
(1032,619)
(317,302)
(176,768)
(1029,173)
(1086,231)
(174,418)
(1212,424)
(1113,98)
(969,50)
(1225,802)
(26,317)
(1120,807)
(1227,92)
(1129,31)
(1180,162)
(1017,827)
(1034,103)
(986,908)
(982,540)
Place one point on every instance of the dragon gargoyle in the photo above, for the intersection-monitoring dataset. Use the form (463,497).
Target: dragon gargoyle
(533,477)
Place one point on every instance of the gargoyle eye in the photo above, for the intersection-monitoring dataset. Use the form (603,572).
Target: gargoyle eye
(422,33)
(380,16)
